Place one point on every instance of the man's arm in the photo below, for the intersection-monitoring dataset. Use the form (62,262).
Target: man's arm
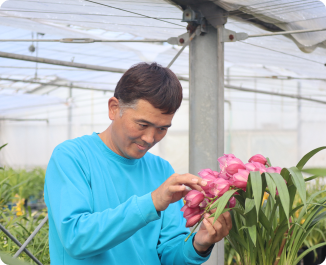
(84,233)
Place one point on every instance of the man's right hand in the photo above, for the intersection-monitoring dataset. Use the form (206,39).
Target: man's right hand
(174,188)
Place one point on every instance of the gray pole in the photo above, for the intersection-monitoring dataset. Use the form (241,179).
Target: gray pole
(206,109)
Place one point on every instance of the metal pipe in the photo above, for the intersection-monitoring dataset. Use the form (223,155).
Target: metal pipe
(181,50)
(69,64)
(274,94)
(79,40)
(56,85)
(59,62)
(8,234)
(14,119)
(206,109)
(21,249)
(286,32)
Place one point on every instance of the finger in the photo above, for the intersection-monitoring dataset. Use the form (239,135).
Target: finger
(228,220)
(188,180)
(177,188)
(195,187)
(219,225)
(213,210)
(210,229)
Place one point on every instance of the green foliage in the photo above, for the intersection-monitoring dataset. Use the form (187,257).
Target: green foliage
(21,228)
(22,184)
(27,184)
(286,222)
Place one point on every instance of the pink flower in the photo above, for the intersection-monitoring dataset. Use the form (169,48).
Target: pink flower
(274,170)
(255,166)
(209,179)
(223,175)
(232,202)
(194,198)
(189,212)
(224,160)
(219,187)
(193,220)
(203,204)
(258,158)
(207,172)
(233,168)
(240,179)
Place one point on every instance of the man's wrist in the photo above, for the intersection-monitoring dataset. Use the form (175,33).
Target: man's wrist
(200,250)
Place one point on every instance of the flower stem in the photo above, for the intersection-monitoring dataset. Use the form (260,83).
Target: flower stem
(193,230)
(206,211)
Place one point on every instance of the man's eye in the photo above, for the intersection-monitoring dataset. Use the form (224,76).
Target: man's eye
(142,125)
(163,129)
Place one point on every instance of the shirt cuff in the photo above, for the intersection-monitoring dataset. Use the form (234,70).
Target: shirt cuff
(190,253)
(147,209)
(205,253)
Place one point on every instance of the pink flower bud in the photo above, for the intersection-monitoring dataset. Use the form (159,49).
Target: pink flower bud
(193,220)
(233,168)
(240,179)
(189,212)
(207,172)
(255,166)
(258,158)
(219,187)
(194,198)
(274,170)
(203,204)
(223,175)
(232,202)
(224,160)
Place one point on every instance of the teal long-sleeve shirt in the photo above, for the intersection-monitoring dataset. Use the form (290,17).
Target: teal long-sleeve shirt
(101,210)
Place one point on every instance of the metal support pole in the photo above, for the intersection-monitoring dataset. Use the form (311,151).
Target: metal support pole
(70,113)
(7,233)
(299,121)
(206,109)
(38,228)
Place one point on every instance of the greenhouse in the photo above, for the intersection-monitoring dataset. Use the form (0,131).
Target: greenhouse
(253,77)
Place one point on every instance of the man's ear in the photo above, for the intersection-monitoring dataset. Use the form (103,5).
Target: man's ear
(114,108)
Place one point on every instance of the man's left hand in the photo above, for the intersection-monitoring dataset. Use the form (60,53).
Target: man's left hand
(210,233)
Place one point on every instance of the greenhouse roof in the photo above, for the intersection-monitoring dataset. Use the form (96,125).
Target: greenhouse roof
(272,56)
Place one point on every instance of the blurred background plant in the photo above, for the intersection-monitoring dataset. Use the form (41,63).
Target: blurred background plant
(19,217)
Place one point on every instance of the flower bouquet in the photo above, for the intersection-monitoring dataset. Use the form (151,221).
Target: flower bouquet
(268,229)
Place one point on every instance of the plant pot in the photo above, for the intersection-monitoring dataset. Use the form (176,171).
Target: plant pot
(310,258)
(323,253)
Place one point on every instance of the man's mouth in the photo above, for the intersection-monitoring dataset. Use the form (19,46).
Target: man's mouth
(141,147)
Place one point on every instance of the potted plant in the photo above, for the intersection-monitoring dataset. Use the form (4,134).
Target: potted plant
(268,228)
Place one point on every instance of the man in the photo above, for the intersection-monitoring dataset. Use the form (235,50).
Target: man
(109,201)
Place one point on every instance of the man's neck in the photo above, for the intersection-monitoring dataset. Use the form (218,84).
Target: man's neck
(106,137)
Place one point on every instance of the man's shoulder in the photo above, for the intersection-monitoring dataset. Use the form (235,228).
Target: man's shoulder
(157,161)
(74,146)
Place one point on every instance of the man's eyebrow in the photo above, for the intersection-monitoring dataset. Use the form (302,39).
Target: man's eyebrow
(145,121)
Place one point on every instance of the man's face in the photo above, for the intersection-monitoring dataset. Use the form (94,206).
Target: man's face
(139,129)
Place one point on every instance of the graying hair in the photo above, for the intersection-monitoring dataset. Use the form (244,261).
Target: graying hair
(123,106)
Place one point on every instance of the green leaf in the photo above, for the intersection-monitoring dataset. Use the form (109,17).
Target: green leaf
(268,161)
(283,192)
(256,183)
(253,233)
(310,178)
(2,146)
(239,239)
(315,171)
(221,203)
(299,182)
(307,251)
(250,203)
(271,186)
(306,158)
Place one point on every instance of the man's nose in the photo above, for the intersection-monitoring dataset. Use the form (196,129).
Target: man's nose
(149,136)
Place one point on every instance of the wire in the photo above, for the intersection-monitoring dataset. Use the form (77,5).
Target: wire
(284,53)
(64,21)
(133,12)
(82,14)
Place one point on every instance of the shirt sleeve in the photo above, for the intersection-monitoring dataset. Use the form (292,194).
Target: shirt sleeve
(82,232)
(172,248)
